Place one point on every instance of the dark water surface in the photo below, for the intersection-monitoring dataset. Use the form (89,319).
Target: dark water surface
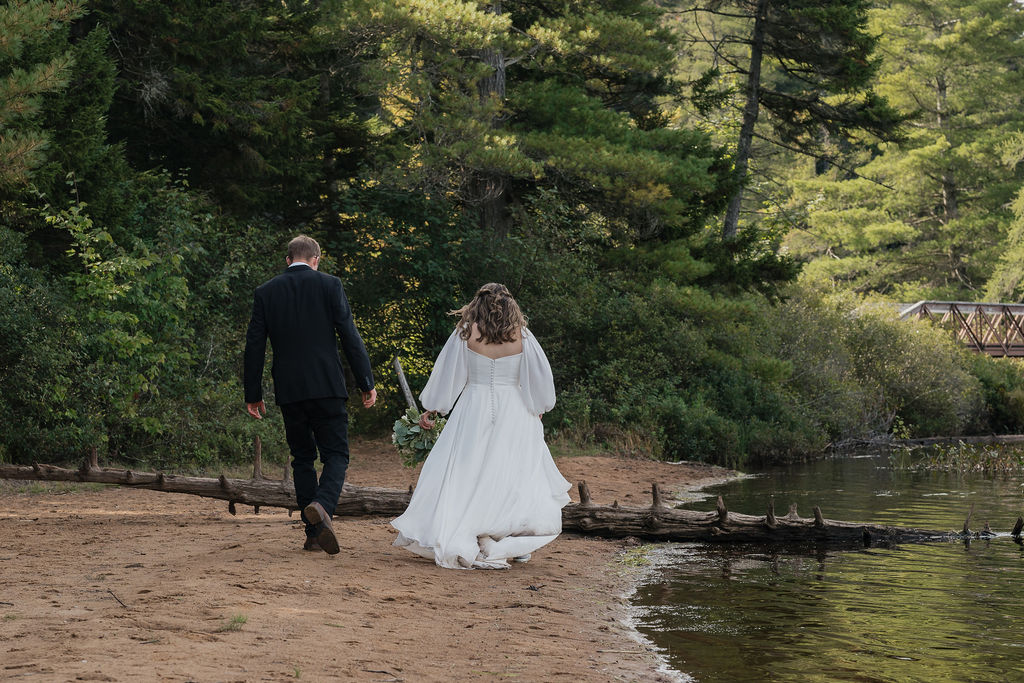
(932,612)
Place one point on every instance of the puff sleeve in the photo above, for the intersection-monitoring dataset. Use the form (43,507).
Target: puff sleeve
(535,381)
(449,376)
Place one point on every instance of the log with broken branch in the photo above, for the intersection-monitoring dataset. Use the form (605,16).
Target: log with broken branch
(656,522)
(257,491)
(660,523)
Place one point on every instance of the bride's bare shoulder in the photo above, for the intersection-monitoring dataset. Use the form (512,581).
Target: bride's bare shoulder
(493,350)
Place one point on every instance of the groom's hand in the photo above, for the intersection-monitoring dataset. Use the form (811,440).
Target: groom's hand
(255,408)
(369,398)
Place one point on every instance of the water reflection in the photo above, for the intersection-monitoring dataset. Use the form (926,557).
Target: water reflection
(933,612)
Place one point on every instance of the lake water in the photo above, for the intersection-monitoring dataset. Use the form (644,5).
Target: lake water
(949,611)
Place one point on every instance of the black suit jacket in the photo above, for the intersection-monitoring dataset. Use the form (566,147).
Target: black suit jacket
(304,313)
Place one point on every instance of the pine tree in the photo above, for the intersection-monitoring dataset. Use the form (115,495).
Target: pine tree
(28,71)
(927,217)
(576,187)
(485,103)
(801,70)
(252,102)
(1007,282)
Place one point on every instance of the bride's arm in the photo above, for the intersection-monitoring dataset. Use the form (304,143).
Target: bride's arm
(448,378)
(535,379)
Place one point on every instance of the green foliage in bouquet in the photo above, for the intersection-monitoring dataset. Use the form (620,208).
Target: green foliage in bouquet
(414,442)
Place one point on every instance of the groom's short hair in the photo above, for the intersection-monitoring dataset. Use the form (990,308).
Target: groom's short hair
(303,248)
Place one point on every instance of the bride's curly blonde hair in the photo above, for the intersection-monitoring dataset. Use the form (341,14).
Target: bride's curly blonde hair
(496,314)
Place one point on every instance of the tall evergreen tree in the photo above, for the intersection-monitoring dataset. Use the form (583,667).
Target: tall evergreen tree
(484,103)
(1007,282)
(251,102)
(29,68)
(932,219)
(802,71)
(543,188)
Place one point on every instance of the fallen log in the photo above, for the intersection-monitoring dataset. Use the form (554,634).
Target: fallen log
(659,523)
(655,522)
(888,441)
(258,492)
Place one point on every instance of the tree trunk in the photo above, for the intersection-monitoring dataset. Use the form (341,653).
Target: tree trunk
(656,522)
(492,185)
(751,109)
(950,204)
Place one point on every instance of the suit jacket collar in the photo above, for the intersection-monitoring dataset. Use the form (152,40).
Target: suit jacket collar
(297,266)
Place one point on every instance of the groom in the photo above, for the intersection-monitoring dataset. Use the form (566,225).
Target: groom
(304,313)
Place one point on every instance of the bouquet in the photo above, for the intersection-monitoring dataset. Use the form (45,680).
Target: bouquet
(414,442)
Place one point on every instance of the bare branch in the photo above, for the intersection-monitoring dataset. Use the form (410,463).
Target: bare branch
(706,10)
(822,157)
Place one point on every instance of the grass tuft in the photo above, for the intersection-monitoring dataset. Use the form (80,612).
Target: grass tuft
(234,624)
(961,458)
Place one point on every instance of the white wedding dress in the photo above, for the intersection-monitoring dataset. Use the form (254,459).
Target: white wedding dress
(489,490)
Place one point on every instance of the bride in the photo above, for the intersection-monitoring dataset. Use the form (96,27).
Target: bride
(489,490)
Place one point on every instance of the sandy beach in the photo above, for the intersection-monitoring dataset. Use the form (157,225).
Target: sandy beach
(110,584)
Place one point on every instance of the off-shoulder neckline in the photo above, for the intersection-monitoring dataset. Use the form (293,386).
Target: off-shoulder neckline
(510,355)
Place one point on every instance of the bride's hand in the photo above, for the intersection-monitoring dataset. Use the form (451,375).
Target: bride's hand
(427,419)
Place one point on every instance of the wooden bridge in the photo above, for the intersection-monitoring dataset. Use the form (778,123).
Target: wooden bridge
(995,329)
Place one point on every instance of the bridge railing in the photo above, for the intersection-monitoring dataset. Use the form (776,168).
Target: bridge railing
(993,328)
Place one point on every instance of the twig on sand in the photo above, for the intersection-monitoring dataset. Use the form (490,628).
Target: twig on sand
(118,599)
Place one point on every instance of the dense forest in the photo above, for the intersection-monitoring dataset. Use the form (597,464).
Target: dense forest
(708,210)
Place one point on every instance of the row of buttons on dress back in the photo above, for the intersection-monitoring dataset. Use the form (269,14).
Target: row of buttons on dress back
(493,409)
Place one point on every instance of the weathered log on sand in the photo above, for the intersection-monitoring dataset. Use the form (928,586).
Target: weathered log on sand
(656,522)
(660,523)
(258,492)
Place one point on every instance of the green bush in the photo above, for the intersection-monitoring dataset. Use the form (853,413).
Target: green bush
(131,346)
(40,349)
(737,379)
(857,368)
(1002,386)
(674,367)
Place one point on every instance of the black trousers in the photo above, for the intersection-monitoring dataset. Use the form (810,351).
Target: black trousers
(319,424)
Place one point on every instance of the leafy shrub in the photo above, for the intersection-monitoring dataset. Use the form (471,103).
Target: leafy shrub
(1002,386)
(39,352)
(858,368)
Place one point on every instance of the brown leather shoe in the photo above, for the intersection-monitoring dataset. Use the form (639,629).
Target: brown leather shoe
(311,544)
(316,515)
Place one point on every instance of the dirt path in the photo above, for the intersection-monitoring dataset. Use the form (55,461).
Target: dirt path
(108,584)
